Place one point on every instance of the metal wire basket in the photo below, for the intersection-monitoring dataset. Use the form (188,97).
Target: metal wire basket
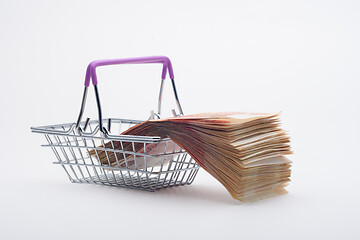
(141,162)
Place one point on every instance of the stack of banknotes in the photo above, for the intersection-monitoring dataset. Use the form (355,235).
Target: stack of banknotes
(245,152)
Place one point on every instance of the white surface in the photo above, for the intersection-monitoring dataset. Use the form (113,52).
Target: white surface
(298,57)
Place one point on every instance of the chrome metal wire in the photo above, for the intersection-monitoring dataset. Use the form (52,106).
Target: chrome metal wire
(174,167)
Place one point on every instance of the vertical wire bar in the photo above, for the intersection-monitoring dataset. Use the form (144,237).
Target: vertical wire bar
(170,163)
(126,163)
(82,157)
(187,179)
(184,172)
(58,157)
(152,168)
(65,155)
(174,172)
(178,171)
(108,159)
(193,172)
(161,167)
(91,160)
(179,168)
(103,176)
(99,160)
(68,143)
(118,163)
(90,157)
(193,176)
(145,163)
(136,165)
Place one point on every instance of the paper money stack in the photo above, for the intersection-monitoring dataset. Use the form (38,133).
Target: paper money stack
(243,151)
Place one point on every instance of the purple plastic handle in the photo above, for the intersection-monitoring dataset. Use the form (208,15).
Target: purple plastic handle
(91,69)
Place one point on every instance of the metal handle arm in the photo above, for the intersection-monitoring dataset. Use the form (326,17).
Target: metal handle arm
(91,75)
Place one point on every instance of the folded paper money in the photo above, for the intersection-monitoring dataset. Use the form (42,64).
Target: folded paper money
(245,152)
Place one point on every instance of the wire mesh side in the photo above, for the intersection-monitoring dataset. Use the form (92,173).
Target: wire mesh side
(122,163)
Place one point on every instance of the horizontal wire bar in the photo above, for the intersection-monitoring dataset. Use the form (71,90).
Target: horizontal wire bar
(114,150)
(92,164)
(53,130)
(113,120)
(124,138)
(126,169)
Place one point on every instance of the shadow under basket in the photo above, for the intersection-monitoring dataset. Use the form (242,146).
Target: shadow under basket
(135,166)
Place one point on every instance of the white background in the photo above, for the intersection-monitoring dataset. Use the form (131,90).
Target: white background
(298,57)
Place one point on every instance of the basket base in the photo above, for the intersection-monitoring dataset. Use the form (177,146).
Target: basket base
(139,182)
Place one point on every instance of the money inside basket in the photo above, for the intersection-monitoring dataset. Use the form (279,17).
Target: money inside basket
(160,152)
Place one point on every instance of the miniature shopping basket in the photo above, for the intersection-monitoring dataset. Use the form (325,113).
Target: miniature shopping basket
(77,146)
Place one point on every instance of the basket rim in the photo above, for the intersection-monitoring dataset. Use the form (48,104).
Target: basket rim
(69,130)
